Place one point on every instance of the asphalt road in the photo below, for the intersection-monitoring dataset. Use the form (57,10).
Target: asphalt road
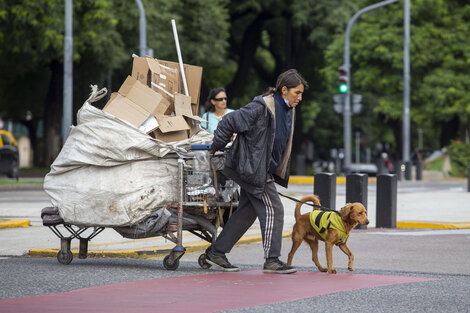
(441,255)
(439,260)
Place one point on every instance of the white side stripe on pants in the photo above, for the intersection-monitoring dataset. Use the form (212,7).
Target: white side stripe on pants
(268,231)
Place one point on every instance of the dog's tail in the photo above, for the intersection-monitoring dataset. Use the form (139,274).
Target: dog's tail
(309,198)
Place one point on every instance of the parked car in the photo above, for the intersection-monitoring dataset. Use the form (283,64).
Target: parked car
(9,157)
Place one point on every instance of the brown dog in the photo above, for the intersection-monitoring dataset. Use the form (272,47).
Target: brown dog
(332,227)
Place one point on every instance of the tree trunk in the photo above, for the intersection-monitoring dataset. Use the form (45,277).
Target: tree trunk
(250,42)
(450,131)
(32,126)
(53,115)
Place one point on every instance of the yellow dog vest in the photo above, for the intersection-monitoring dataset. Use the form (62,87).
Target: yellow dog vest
(324,220)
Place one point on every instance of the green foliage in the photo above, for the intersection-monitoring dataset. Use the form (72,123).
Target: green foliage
(244,45)
(105,34)
(459,154)
(436,164)
(439,58)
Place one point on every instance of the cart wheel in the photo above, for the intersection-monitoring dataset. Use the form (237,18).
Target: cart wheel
(65,257)
(168,266)
(202,262)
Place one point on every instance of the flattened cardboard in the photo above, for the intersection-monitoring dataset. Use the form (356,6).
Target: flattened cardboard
(140,71)
(126,110)
(183,107)
(193,75)
(182,104)
(162,79)
(136,103)
(171,129)
(142,95)
(172,123)
(172,136)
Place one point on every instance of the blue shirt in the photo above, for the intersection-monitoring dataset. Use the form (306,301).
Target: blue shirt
(283,129)
(213,120)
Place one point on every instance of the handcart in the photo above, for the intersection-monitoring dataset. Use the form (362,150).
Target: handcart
(205,201)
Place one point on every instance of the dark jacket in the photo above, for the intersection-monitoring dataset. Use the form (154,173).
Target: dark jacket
(247,161)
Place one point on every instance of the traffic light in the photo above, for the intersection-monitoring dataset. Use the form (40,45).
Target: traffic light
(343,79)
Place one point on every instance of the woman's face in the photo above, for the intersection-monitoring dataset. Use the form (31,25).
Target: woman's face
(220,100)
(293,95)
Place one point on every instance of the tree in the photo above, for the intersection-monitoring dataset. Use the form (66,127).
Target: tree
(438,54)
(105,36)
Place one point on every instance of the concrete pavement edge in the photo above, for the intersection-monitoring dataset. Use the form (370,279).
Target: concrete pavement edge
(148,253)
(200,246)
(430,225)
(14,223)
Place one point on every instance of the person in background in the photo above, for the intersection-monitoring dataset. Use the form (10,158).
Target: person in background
(217,104)
(259,157)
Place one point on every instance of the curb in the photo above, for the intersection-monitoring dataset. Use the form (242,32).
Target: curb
(200,246)
(152,253)
(309,180)
(433,225)
(14,223)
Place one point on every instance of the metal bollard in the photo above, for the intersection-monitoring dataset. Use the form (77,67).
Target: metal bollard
(397,168)
(408,168)
(300,165)
(356,191)
(324,186)
(419,170)
(468,179)
(380,166)
(386,212)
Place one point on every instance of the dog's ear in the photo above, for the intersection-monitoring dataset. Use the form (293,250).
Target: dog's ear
(344,212)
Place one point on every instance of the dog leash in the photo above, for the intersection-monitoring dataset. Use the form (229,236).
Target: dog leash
(311,204)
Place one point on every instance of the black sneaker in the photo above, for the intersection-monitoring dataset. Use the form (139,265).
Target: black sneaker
(278,267)
(220,261)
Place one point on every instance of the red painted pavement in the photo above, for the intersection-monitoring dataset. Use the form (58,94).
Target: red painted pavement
(200,293)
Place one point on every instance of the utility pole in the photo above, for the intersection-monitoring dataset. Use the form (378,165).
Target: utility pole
(406,84)
(347,67)
(142,30)
(68,72)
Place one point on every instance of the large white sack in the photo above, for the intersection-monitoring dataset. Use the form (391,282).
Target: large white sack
(109,173)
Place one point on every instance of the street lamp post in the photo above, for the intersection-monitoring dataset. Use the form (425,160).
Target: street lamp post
(68,72)
(347,66)
(406,87)
(142,30)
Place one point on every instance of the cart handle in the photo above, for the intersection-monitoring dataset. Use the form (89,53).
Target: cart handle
(201,147)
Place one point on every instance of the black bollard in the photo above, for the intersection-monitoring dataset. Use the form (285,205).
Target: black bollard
(397,169)
(419,170)
(386,212)
(300,165)
(324,186)
(408,168)
(380,166)
(468,179)
(356,190)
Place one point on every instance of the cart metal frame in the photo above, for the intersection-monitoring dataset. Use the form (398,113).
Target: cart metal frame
(184,202)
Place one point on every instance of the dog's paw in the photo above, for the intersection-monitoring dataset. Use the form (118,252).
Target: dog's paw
(332,271)
(322,269)
(351,269)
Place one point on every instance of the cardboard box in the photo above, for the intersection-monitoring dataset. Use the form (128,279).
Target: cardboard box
(136,103)
(126,110)
(183,108)
(193,79)
(171,128)
(162,79)
(144,96)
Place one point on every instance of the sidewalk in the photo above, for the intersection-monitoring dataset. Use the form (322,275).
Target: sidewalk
(432,208)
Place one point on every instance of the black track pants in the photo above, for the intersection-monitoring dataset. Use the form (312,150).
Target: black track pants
(268,210)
